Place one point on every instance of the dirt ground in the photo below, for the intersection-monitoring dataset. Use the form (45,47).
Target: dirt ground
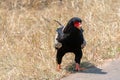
(109,71)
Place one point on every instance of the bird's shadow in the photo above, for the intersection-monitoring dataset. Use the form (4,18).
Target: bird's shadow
(89,68)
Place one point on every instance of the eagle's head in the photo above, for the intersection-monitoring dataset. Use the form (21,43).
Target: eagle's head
(73,23)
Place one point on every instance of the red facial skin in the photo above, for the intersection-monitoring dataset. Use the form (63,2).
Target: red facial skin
(78,25)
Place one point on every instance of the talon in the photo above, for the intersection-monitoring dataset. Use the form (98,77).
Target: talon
(77,68)
(58,67)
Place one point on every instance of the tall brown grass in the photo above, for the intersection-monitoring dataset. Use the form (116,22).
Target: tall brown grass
(27,33)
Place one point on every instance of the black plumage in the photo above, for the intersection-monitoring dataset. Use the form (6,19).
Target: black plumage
(71,41)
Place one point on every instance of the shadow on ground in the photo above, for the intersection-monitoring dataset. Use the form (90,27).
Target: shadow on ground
(90,68)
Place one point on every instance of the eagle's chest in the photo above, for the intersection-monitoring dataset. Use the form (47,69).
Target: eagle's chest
(74,40)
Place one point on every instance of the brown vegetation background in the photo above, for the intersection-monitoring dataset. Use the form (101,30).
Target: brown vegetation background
(27,33)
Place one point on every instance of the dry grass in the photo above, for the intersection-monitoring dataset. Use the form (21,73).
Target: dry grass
(27,34)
